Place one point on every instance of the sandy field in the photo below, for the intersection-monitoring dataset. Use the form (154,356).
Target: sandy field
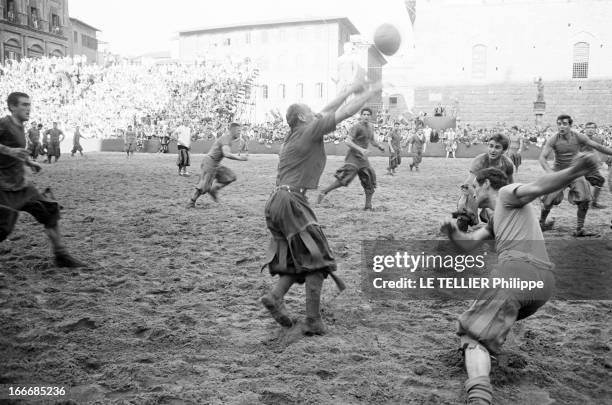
(169,311)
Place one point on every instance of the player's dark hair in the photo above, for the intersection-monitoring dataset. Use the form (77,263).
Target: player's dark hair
(501,139)
(234,124)
(514,127)
(366,109)
(496,177)
(590,123)
(565,117)
(13,98)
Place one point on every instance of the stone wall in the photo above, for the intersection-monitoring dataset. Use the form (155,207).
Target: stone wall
(512,103)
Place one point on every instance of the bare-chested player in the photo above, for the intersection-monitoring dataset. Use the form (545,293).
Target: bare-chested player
(521,254)
(516,147)
(299,252)
(213,171)
(566,144)
(590,130)
(16,192)
(356,162)
(467,208)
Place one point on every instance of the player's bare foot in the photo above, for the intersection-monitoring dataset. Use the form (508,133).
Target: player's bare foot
(277,310)
(190,204)
(313,327)
(213,194)
(65,260)
(597,205)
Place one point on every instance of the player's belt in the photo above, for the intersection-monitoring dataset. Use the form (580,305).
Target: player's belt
(291,189)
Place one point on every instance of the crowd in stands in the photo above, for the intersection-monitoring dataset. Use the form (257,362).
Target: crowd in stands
(154,99)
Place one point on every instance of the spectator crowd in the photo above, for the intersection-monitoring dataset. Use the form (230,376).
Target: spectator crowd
(154,99)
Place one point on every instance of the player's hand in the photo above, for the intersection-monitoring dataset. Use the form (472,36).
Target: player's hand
(243,158)
(36,168)
(448,227)
(19,154)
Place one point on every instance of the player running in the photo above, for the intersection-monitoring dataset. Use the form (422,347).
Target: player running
(521,254)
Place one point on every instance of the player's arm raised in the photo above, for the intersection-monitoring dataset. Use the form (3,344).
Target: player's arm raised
(465,241)
(583,164)
(227,153)
(354,105)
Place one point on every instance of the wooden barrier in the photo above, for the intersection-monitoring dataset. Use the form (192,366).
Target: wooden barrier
(433,149)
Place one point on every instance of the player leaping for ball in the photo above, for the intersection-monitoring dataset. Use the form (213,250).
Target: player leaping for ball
(467,209)
(566,144)
(521,254)
(356,162)
(213,171)
(16,192)
(299,252)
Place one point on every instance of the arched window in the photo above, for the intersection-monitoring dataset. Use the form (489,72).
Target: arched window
(580,68)
(479,61)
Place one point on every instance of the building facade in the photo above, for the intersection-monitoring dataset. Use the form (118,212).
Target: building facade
(482,58)
(33,29)
(83,41)
(297,59)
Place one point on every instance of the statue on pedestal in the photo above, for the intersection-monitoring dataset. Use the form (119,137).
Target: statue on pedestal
(540,96)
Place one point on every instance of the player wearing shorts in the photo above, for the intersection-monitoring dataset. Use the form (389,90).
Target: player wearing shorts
(130,141)
(590,130)
(566,144)
(395,149)
(76,142)
(521,254)
(299,252)
(244,143)
(516,147)
(56,136)
(16,192)
(213,171)
(419,141)
(34,141)
(356,162)
(467,209)
(183,141)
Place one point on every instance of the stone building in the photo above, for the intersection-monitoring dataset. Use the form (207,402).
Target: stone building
(297,59)
(83,40)
(33,28)
(482,58)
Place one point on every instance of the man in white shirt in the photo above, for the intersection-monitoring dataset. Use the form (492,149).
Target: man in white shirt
(183,139)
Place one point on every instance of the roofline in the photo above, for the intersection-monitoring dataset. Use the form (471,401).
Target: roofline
(85,24)
(233,27)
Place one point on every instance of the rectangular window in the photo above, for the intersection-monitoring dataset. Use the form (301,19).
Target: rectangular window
(319,90)
(300,90)
(264,91)
(227,42)
(392,100)
(76,37)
